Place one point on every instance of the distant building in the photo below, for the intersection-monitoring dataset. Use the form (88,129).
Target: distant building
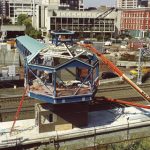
(29,7)
(80,21)
(127,4)
(143,3)
(71,4)
(55,14)
(4,11)
(63,4)
(17,7)
(136,21)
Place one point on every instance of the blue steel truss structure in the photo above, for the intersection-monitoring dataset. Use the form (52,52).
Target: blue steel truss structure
(55,79)
(62,36)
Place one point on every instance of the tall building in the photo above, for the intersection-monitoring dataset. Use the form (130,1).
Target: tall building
(53,4)
(71,4)
(132,3)
(82,22)
(119,3)
(17,7)
(143,3)
(4,11)
(29,7)
(127,3)
(136,21)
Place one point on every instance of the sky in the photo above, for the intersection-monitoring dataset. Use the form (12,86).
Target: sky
(97,3)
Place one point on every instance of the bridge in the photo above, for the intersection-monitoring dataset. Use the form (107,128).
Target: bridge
(11,31)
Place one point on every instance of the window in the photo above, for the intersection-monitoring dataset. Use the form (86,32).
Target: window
(46,119)
(50,118)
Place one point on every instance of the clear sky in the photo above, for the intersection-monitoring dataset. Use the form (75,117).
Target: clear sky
(97,3)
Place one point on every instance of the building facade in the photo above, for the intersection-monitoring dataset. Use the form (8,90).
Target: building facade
(4,8)
(71,4)
(17,7)
(50,15)
(79,21)
(136,21)
(30,7)
(125,4)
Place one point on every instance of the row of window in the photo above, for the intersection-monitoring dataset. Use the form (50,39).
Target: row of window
(83,28)
(136,14)
(81,21)
(139,21)
(135,27)
(21,5)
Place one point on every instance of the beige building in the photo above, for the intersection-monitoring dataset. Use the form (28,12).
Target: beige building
(79,21)
(17,7)
(127,3)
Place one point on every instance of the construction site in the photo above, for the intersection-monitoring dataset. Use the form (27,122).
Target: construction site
(75,96)
(65,104)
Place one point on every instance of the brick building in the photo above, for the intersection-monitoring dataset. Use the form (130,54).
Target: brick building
(136,21)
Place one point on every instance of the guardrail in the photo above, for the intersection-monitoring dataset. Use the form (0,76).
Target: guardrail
(131,63)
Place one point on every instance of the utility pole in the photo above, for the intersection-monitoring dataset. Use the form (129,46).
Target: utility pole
(139,77)
(33,20)
(144,52)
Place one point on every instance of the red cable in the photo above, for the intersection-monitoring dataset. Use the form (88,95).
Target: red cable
(128,103)
(18,110)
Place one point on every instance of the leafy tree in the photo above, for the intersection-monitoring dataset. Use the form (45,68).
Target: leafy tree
(21,18)
(29,30)
(25,20)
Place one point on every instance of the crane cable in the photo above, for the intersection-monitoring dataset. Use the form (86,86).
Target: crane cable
(18,110)
(116,70)
(128,103)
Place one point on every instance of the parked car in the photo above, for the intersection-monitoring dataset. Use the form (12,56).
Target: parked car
(108,43)
(134,72)
(86,42)
(107,75)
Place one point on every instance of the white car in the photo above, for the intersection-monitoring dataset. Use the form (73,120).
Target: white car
(108,43)
(123,46)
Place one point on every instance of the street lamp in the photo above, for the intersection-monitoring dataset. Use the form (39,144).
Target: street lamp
(144,52)
(103,31)
(139,77)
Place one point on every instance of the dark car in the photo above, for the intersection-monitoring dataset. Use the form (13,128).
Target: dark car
(107,75)
(88,42)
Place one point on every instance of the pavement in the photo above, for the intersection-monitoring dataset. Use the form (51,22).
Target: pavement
(99,122)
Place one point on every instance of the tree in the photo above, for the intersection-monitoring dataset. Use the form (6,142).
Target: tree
(25,20)
(21,18)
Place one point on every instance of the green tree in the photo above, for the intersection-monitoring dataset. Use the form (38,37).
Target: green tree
(25,20)
(21,18)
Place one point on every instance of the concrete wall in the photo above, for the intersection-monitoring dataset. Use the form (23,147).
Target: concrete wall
(65,116)
(12,28)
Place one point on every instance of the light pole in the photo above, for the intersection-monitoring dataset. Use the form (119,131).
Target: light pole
(103,32)
(139,77)
(144,52)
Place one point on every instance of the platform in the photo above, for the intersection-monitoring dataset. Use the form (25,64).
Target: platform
(126,123)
